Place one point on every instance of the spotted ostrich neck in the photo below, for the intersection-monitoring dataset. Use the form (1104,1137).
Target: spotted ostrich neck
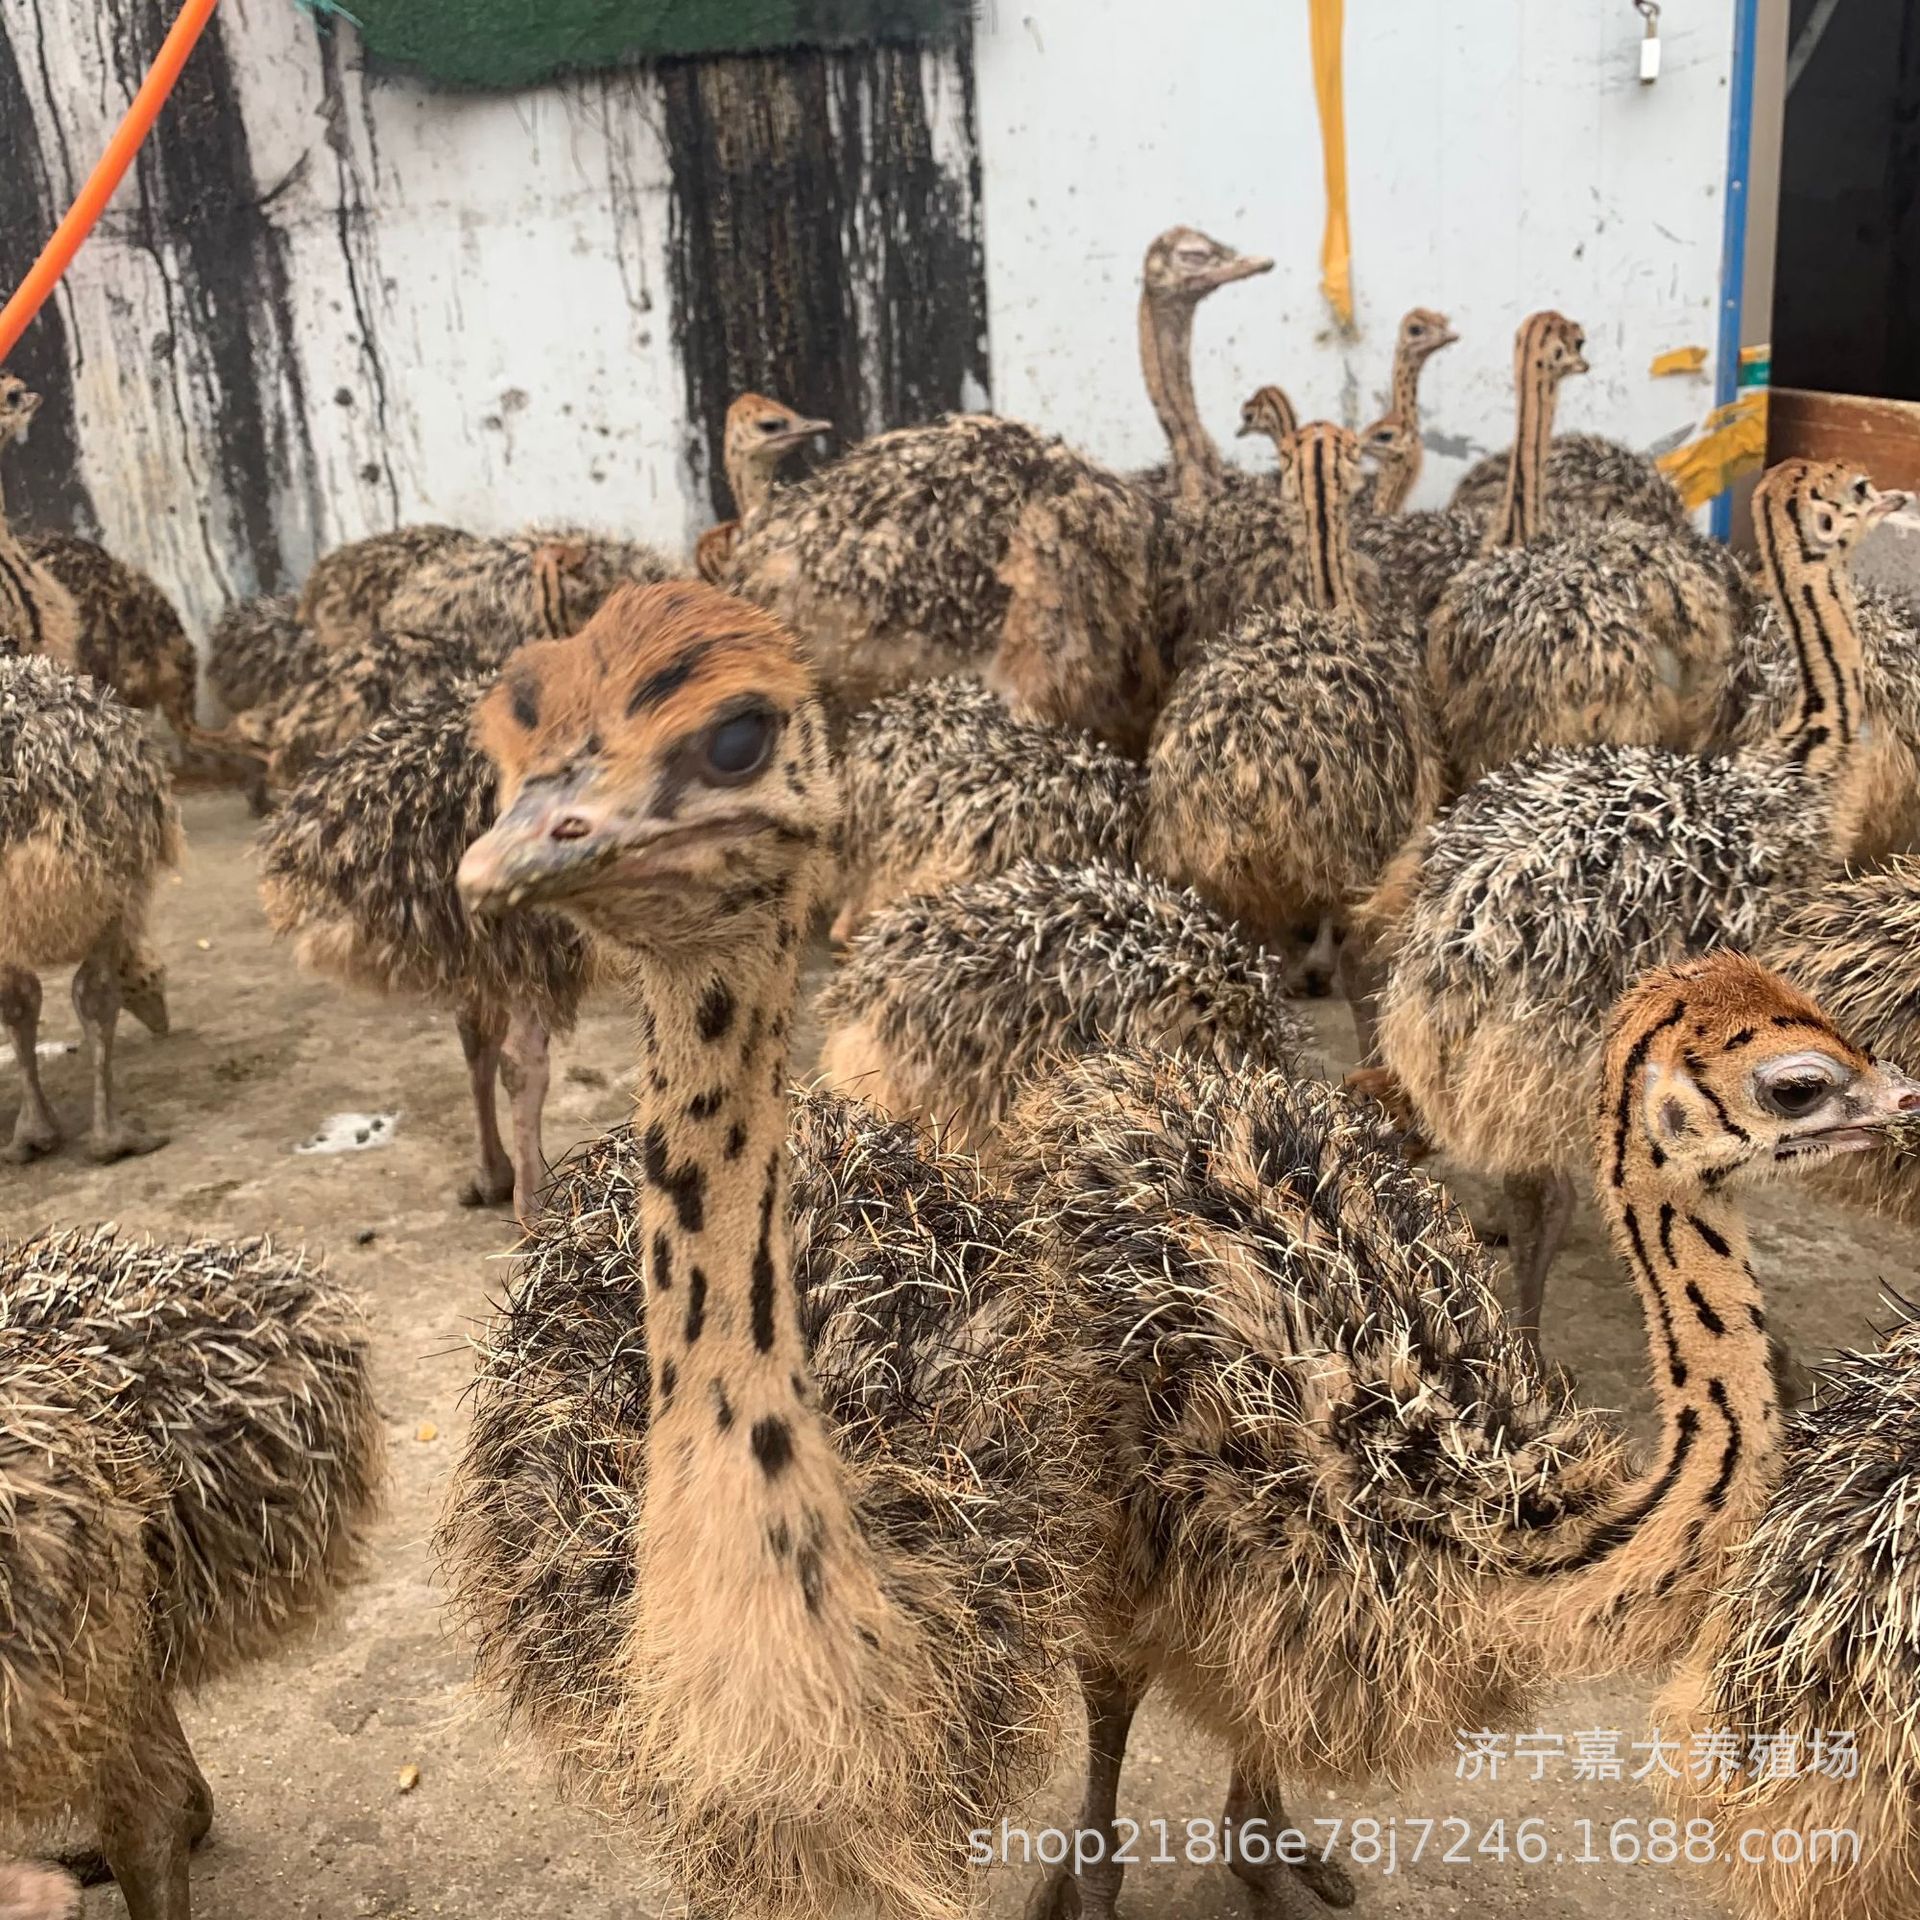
(1522,505)
(1320,510)
(1646,1560)
(1820,616)
(1166,362)
(1398,481)
(738,1449)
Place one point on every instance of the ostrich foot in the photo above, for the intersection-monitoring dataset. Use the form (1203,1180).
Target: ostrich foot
(490,1187)
(30,1140)
(1065,1895)
(123,1141)
(1279,1889)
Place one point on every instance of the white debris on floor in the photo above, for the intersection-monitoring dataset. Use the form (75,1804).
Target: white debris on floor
(350,1133)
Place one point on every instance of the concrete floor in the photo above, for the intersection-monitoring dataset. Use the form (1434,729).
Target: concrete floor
(306,1753)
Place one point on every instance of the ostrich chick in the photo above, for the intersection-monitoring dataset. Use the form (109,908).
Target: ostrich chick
(346,591)
(358,870)
(948,1002)
(942,784)
(259,654)
(189,1458)
(775,1514)
(1810,1648)
(760,433)
(1268,411)
(37,614)
(1294,757)
(87,822)
(1588,479)
(1617,632)
(1423,333)
(1515,922)
(1353,1516)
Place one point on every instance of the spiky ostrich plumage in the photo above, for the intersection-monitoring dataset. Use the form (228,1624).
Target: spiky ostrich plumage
(358,870)
(191,1458)
(1588,479)
(940,784)
(772,1525)
(259,653)
(1814,1638)
(1352,1513)
(347,589)
(947,1003)
(1296,754)
(1516,920)
(87,824)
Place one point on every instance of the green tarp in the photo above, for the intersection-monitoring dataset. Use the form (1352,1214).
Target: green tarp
(511,43)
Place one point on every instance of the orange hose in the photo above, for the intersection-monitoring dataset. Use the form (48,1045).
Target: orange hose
(57,255)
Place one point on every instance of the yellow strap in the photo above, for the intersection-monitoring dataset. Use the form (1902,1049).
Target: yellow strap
(1731,443)
(1336,248)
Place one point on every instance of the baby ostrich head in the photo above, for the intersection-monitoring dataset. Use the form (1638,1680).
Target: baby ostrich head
(664,778)
(18,405)
(761,432)
(1424,332)
(1727,1074)
(1831,505)
(1268,410)
(1387,440)
(1548,347)
(1185,265)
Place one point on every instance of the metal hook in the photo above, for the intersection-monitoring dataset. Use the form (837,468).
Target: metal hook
(1649,11)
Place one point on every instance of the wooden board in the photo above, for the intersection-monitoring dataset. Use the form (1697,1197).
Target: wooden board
(1881,437)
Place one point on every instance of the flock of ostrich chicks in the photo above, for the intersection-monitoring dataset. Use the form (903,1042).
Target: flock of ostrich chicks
(1070,1324)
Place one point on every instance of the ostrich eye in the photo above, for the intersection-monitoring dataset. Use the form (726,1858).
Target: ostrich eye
(1795,1099)
(738,747)
(771,426)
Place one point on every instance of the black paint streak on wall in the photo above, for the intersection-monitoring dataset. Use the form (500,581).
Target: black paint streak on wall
(804,190)
(229,351)
(40,481)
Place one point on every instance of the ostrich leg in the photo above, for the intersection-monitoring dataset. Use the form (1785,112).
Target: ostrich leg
(1542,1213)
(481,1037)
(524,1068)
(1281,1891)
(1090,1889)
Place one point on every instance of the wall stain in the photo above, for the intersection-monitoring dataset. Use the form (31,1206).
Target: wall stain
(228,351)
(817,250)
(40,481)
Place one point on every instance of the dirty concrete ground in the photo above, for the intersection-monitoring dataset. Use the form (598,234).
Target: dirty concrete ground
(306,1752)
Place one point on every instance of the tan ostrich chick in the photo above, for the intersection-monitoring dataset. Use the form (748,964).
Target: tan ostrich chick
(1293,759)
(87,823)
(760,433)
(775,1515)
(1515,921)
(1351,1514)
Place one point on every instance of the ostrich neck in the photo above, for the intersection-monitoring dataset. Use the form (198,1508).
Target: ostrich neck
(1322,525)
(1166,362)
(1815,601)
(750,481)
(24,598)
(1639,1569)
(1398,480)
(742,1472)
(1522,504)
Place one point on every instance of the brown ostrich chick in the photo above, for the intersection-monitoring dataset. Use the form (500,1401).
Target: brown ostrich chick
(760,434)
(87,822)
(775,1517)
(1293,758)
(1423,333)
(37,614)
(346,591)
(1353,1515)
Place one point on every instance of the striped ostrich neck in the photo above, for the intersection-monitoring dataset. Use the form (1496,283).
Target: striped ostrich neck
(1522,505)
(1645,1561)
(750,477)
(1166,363)
(1815,601)
(1317,482)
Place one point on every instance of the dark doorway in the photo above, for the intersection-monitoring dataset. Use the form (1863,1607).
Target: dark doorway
(1846,311)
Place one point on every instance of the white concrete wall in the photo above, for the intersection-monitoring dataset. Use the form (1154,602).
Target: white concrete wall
(1501,156)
